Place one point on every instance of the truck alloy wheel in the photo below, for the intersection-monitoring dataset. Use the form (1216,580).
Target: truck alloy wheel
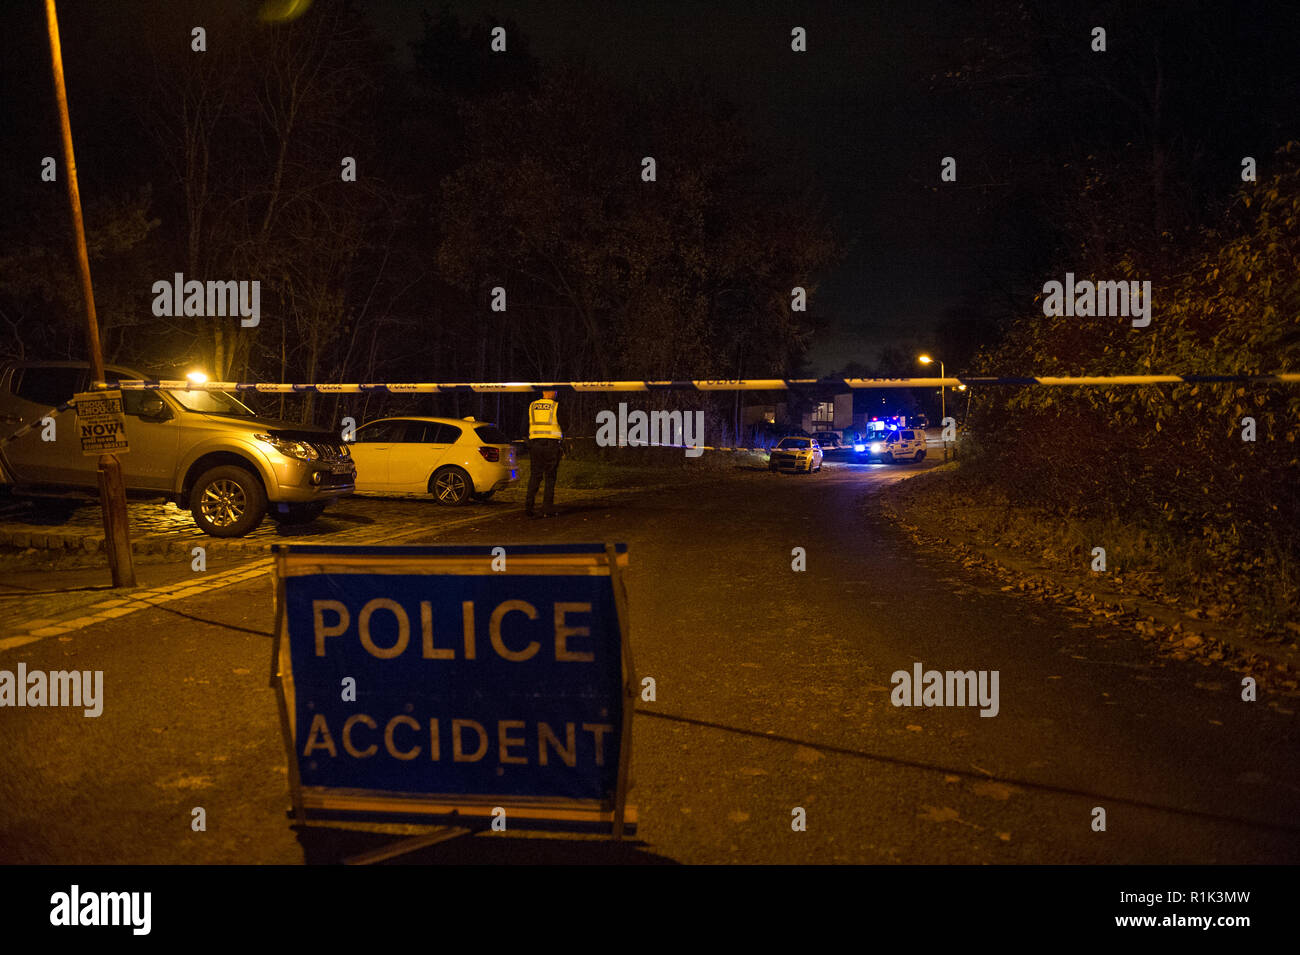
(227,501)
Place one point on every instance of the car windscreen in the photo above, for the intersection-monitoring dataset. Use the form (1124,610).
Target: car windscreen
(793,443)
(491,434)
(213,402)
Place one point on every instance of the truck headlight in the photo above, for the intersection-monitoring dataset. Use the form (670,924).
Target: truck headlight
(288,447)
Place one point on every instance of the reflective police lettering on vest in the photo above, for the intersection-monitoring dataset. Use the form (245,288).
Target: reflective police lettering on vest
(542,420)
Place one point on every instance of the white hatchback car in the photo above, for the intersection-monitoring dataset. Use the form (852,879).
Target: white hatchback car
(453,459)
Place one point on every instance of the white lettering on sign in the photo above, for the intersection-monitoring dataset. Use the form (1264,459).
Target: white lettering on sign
(517,630)
(510,742)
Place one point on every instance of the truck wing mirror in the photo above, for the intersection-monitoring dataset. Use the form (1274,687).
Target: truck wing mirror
(154,408)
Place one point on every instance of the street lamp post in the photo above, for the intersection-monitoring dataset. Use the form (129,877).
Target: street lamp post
(943,392)
(112,491)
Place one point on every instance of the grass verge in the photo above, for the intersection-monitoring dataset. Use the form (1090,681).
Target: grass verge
(1249,600)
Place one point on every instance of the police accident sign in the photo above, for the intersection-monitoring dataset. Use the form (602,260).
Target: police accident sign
(101,423)
(420,682)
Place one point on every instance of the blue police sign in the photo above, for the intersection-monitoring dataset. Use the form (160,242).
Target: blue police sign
(421,682)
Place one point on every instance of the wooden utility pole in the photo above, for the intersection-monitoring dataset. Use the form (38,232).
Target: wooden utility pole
(112,490)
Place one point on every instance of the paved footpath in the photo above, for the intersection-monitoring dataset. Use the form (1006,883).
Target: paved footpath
(58,582)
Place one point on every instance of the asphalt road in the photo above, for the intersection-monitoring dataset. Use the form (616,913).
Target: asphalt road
(773,693)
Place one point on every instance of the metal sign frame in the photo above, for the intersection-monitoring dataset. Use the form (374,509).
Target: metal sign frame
(320,806)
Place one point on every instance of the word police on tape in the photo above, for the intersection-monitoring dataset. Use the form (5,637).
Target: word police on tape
(728,384)
(474,685)
(101,423)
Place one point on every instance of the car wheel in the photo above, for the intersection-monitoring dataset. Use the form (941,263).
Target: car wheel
(298,514)
(227,501)
(920,455)
(484,495)
(772,468)
(889,457)
(450,486)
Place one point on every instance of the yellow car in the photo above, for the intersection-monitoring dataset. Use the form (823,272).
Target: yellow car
(796,454)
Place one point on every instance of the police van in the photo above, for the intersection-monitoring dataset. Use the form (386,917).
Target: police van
(905,444)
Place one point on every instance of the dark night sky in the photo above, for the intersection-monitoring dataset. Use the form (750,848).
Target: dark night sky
(855,117)
(846,111)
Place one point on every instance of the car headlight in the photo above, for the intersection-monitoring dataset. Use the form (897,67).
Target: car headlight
(877,446)
(288,447)
(859,447)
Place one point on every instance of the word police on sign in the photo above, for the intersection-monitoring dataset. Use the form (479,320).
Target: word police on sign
(469,688)
(101,423)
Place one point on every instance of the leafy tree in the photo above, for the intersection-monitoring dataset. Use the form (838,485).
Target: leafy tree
(1175,451)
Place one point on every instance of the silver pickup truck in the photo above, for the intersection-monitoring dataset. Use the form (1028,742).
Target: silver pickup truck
(206,451)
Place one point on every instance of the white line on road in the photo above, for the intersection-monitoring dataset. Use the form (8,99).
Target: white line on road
(34,630)
(139,600)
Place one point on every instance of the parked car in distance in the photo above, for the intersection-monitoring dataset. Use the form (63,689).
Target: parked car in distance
(453,459)
(204,450)
(830,441)
(796,454)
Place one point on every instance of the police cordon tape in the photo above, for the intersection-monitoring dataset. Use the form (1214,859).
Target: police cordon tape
(37,423)
(721,384)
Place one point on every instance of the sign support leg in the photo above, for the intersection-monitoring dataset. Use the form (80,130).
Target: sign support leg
(629,692)
(403,846)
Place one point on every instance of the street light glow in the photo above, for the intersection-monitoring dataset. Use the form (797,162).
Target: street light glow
(943,392)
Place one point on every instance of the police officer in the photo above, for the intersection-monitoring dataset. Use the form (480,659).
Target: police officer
(544,437)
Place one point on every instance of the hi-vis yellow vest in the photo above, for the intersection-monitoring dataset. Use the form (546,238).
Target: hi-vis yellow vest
(542,422)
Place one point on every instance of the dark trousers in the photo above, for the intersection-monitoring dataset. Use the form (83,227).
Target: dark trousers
(543,461)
